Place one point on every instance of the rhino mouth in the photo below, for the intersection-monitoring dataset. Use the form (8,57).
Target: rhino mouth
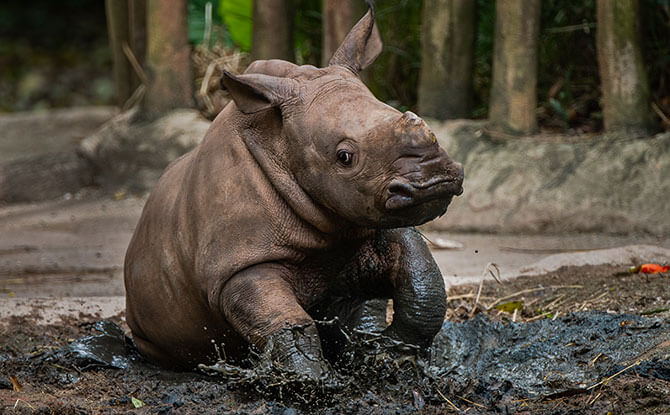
(403,194)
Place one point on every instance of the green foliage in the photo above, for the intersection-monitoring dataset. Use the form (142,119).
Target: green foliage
(307,32)
(196,20)
(510,306)
(137,403)
(229,25)
(237,15)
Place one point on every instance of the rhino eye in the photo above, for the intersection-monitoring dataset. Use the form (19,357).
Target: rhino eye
(345,157)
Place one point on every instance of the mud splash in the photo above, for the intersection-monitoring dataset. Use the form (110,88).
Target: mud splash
(366,363)
(110,348)
(493,365)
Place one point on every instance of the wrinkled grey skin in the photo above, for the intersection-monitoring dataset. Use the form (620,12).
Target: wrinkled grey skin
(294,207)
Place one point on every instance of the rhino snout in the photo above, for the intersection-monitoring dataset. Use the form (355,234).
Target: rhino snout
(402,194)
(457,174)
(436,180)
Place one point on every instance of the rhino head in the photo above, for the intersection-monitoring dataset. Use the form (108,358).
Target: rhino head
(358,158)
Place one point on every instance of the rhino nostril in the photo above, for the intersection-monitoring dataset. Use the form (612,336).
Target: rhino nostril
(399,188)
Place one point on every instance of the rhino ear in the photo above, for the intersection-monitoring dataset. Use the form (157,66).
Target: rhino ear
(361,46)
(257,92)
(275,67)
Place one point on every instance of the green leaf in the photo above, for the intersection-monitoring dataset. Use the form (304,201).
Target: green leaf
(237,15)
(556,105)
(196,21)
(510,306)
(137,403)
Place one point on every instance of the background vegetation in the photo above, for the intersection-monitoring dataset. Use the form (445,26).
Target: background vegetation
(55,54)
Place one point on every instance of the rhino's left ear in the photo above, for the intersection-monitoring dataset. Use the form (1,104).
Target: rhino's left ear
(361,46)
(257,92)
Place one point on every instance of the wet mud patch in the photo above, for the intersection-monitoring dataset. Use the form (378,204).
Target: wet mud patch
(603,357)
(550,358)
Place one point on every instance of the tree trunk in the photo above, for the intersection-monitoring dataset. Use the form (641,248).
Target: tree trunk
(512,107)
(339,16)
(126,25)
(447,48)
(168,58)
(117,30)
(272,36)
(626,98)
(137,33)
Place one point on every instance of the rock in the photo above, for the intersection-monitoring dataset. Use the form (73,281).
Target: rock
(34,133)
(37,157)
(133,152)
(44,177)
(609,184)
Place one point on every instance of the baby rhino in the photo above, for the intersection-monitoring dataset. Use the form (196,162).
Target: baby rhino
(297,205)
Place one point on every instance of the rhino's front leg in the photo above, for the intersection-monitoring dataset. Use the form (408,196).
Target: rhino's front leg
(419,297)
(262,307)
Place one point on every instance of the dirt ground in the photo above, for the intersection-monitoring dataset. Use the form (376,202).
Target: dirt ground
(74,247)
(34,382)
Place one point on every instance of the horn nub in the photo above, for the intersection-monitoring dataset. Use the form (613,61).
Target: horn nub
(414,129)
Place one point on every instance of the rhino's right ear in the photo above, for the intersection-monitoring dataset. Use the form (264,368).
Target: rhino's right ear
(361,46)
(256,92)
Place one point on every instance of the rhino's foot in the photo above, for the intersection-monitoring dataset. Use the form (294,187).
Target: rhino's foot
(296,352)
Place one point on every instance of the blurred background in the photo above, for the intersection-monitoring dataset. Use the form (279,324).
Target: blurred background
(62,54)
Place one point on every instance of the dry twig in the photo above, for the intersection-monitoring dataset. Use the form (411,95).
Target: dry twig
(591,300)
(529,290)
(604,381)
(479,292)
(471,402)
(464,296)
(660,113)
(446,399)
(538,317)
(135,64)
